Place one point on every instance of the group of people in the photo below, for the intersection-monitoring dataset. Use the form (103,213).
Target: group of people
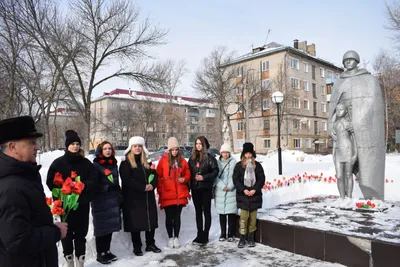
(28,234)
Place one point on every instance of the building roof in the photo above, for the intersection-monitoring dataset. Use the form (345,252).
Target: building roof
(273,48)
(64,112)
(156,97)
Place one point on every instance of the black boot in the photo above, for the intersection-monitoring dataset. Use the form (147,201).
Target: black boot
(138,251)
(242,241)
(251,240)
(223,235)
(103,258)
(197,240)
(204,239)
(111,256)
(153,248)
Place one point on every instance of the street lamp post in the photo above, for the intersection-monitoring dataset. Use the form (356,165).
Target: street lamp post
(277,98)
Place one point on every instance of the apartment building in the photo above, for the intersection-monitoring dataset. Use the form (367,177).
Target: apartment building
(61,120)
(302,77)
(121,114)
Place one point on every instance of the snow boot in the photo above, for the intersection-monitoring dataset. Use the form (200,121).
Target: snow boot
(111,256)
(176,243)
(251,240)
(197,240)
(171,242)
(103,258)
(204,239)
(70,260)
(80,261)
(242,241)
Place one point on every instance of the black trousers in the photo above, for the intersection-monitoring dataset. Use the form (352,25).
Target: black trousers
(202,204)
(173,220)
(231,224)
(137,241)
(103,243)
(78,226)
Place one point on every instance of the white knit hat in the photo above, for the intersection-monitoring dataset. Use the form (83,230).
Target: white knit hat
(225,148)
(172,143)
(136,140)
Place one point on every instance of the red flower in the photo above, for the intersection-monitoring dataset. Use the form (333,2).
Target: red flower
(77,189)
(102,161)
(198,165)
(67,186)
(107,172)
(110,161)
(359,205)
(49,200)
(58,179)
(73,175)
(57,211)
(153,166)
(57,203)
(101,156)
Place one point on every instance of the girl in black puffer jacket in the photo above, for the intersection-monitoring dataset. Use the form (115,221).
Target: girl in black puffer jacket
(78,220)
(107,202)
(203,170)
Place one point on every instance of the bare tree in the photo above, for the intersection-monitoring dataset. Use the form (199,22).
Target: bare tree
(393,21)
(94,35)
(217,83)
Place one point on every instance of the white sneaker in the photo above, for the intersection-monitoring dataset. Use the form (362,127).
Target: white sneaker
(171,242)
(176,243)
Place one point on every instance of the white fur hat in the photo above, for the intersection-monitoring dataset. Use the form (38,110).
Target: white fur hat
(136,140)
(172,143)
(225,148)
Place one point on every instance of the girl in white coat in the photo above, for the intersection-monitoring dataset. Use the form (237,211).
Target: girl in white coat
(225,193)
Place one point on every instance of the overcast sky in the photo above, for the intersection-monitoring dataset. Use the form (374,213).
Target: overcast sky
(196,27)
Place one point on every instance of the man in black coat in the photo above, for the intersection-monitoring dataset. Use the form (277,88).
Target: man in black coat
(28,235)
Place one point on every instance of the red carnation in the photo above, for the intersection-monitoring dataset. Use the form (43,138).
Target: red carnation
(57,211)
(57,203)
(107,172)
(73,175)
(67,186)
(77,189)
(58,179)
(102,161)
(153,166)
(49,200)
(110,161)
(198,165)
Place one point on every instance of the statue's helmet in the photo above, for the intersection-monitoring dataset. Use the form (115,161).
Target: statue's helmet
(351,54)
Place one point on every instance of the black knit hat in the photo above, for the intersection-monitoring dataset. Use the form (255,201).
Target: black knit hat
(204,140)
(70,137)
(248,147)
(18,128)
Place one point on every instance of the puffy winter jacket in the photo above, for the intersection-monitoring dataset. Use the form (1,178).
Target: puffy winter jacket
(208,168)
(245,202)
(225,201)
(170,191)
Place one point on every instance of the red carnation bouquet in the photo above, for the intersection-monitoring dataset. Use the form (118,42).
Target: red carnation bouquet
(66,193)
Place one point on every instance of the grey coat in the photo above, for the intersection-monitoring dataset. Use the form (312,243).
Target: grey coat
(225,202)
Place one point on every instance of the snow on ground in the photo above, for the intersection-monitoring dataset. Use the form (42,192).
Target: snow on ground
(295,164)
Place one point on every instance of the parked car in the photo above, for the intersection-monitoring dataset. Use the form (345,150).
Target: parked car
(119,150)
(156,156)
(213,151)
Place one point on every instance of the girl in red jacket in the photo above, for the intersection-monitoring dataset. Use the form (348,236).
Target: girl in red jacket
(173,175)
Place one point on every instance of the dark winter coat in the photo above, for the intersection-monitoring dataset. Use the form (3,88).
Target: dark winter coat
(139,206)
(208,169)
(106,203)
(28,236)
(83,168)
(245,202)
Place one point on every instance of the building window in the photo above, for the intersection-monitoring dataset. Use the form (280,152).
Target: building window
(322,71)
(239,90)
(114,135)
(324,126)
(266,104)
(297,143)
(305,86)
(323,107)
(314,90)
(240,126)
(239,72)
(313,71)
(296,123)
(264,65)
(323,90)
(265,84)
(124,134)
(306,105)
(330,74)
(295,83)
(308,143)
(296,103)
(316,128)
(305,66)
(266,125)
(294,63)
(267,143)
(315,108)
(114,104)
